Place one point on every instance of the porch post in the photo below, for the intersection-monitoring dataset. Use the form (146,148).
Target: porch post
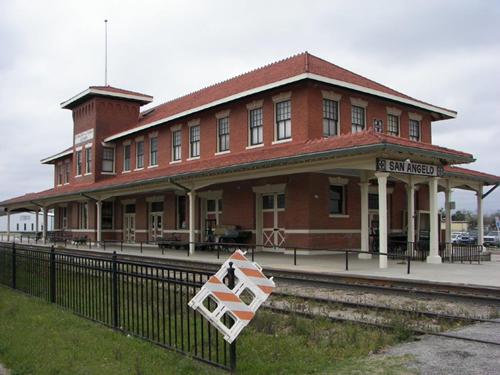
(192,221)
(44,231)
(410,191)
(8,225)
(433,217)
(365,239)
(447,205)
(382,213)
(99,222)
(480,224)
(37,212)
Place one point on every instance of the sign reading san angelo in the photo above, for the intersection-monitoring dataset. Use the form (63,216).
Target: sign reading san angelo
(409,167)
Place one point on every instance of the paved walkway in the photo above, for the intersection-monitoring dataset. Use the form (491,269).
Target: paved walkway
(441,356)
(484,274)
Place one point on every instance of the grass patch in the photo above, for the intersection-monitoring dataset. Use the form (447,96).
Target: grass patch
(39,338)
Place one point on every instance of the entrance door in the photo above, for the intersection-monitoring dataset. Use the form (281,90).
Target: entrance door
(129,228)
(273,211)
(155,226)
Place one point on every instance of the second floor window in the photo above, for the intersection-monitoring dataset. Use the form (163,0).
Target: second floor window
(139,155)
(108,159)
(88,160)
(283,120)
(415,130)
(393,125)
(176,145)
(126,157)
(59,174)
(153,151)
(79,163)
(66,173)
(194,141)
(256,126)
(330,117)
(358,119)
(223,134)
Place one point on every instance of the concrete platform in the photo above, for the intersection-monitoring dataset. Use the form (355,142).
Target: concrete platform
(484,274)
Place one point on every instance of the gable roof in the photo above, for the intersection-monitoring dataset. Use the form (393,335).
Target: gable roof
(292,69)
(322,148)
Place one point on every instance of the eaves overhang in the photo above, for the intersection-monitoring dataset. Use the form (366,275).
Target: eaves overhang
(70,103)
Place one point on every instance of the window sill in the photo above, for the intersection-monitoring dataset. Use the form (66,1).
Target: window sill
(138,169)
(175,162)
(109,173)
(127,171)
(339,216)
(152,166)
(88,174)
(222,152)
(254,146)
(78,176)
(193,158)
(281,141)
(66,183)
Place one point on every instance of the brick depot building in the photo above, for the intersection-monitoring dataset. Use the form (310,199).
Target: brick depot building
(301,153)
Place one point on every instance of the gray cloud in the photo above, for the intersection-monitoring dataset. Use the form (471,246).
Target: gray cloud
(444,52)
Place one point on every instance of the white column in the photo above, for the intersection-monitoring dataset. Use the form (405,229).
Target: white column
(433,256)
(410,192)
(365,239)
(37,212)
(382,213)
(99,222)
(45,214)
(480,224)
(192,221)
(8,225)
(447,207)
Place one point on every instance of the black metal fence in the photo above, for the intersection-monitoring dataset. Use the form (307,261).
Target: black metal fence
(146,300)
(452,253)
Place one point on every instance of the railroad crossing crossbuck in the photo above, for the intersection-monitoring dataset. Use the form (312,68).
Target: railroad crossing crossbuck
(249,277)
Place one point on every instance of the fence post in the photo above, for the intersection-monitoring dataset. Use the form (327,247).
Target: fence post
(294,256)
(52,274)
(347,260)
(232,346)
(253,252)
(141,247)
(408,269)
(114,282)
(13,265)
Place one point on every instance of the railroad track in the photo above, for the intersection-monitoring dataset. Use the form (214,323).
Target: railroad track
(481,294)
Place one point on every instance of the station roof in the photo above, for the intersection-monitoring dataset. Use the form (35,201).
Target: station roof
(281,154)
(486,178)
(106,91)
(59,155)
(289,70)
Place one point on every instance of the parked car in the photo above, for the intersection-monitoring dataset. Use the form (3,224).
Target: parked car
(491,239)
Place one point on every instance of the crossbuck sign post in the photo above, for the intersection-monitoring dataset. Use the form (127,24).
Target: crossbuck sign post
(245,275)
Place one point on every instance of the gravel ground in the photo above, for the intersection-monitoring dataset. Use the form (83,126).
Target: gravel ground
(441,356)
(439,305)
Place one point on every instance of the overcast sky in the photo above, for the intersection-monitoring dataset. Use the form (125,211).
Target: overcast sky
(443,52)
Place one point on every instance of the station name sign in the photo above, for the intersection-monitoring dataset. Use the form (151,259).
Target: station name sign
(85,136)
(409,167)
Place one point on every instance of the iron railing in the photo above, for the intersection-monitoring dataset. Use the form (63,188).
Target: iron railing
(143,299)
(451,252)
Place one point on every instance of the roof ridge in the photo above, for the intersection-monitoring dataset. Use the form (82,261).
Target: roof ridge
(231,78)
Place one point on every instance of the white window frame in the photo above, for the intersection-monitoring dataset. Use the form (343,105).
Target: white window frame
(176,130)
(137,142)
(78,162)
(113,169)
(396,113)
(278,99)
(334,97)
(228,150)
(88,161)
(129,145)
(151,138)
(190,127)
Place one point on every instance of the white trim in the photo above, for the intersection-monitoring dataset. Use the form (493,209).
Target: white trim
(94,91)
(282,97)
(175,161)
(88,145)
(138,169)
(110,173)
(176,128)
(222,152)
(281,141)
(282,82)
(322,231)
(222,114)
(254,146)
(415,116)
(255,104)
(193,122)
(79,148)
(339,216)
(394,111)
(331,95)
(87,174)
(153,134)
(56,156)
(193,158)
(152,166)
(127,171)
(359,102)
